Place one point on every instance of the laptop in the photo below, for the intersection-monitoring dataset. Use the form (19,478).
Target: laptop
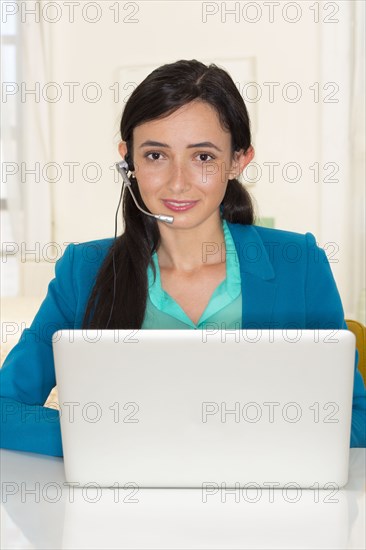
(208,409)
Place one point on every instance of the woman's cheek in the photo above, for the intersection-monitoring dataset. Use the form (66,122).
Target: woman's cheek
(149,189)
(208,171)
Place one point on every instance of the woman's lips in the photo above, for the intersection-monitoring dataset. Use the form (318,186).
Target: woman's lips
(179,206)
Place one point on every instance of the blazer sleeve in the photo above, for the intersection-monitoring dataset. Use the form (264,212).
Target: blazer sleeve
(324,310)
(28,374)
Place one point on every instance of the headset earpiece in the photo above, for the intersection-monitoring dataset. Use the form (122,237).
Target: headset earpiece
(129,162)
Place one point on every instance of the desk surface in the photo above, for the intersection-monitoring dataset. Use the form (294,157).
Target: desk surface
(39,510)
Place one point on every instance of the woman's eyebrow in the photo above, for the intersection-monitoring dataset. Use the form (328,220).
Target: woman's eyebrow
(150,143)
(205,144)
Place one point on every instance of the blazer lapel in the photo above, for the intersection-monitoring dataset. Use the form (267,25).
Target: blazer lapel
(257,277)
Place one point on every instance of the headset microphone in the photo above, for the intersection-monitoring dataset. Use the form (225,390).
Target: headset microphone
(122,166)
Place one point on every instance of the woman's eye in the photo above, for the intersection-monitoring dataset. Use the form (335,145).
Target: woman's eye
(205,155)
(155,154)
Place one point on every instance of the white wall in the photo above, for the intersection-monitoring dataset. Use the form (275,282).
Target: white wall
(285,131)
(167,31)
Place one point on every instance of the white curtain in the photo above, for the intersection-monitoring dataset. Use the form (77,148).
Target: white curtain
(342,223)
(35,135)
(358,159)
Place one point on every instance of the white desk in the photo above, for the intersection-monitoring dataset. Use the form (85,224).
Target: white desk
(39,511)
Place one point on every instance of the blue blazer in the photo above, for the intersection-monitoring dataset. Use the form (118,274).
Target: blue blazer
(286,283)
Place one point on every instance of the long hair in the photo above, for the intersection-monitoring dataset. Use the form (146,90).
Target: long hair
(163,91)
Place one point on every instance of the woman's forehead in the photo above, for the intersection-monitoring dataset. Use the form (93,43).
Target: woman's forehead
(198,119)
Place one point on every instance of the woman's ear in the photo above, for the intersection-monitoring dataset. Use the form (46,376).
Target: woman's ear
(122,148)
(126,155)
(240,161)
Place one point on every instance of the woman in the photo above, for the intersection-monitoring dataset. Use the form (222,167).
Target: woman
(186,137)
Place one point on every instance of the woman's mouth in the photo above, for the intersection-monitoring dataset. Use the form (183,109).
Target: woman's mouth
(179,206)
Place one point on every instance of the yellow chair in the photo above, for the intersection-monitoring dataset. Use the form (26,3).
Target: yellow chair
(359,330)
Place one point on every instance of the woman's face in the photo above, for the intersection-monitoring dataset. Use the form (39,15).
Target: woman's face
(183,163)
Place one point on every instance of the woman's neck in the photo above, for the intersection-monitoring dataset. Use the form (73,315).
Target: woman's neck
(189,250)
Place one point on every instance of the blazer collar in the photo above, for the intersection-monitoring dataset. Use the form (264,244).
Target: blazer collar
(252,254)
(258,287)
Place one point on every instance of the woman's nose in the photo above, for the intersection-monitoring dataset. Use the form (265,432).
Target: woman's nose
(179,178)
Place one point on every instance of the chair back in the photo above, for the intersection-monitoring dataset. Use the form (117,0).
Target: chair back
(359,330)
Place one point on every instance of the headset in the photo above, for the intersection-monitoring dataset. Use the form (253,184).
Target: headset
(122,167)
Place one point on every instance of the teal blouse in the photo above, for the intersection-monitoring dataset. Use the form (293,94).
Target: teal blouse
(223,311)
